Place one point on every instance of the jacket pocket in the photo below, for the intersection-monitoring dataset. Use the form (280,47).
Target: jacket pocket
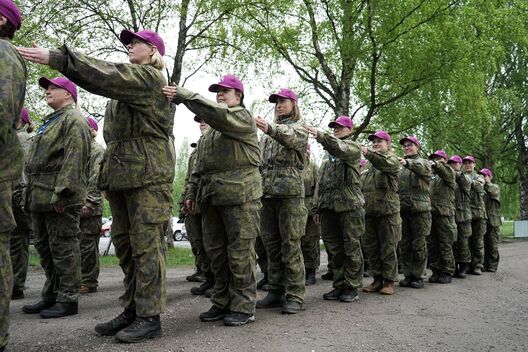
(226,191)
(41,189)
(126,171)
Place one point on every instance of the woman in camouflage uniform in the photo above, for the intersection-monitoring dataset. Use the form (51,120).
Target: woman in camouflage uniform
(493,223)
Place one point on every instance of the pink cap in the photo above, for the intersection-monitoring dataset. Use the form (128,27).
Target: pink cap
(9,10)
(344,121)
(441,153)
(61,82)
(486,172)
(469,158)
(24,115)
(92,123)
(228,81)
(412,139)
(146,35)
(362,162)
(455,159)
(285,93)
(380,134)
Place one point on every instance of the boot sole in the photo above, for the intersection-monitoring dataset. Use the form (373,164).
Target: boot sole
(348,300)
(240,323)
(150,335)
(52,316)
(208,320)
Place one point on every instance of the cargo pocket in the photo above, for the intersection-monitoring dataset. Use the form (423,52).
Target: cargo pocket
(227,192)
(126,171)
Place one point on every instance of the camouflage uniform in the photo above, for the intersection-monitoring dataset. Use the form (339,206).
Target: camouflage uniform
(283,215)
(379,184)
(443,229)
(229,191)
(340,204)
(262,256)
(57,175)
(478,220)
(91,226)
(12,92)
(137,169)
(462,218)
(415,212)
(492,236)
(193,222)
(310,241)
(20,236)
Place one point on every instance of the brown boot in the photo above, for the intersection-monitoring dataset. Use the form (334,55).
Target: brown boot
(388,288)
(375,286)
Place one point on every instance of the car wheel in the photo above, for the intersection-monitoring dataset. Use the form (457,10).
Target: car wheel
(177,235)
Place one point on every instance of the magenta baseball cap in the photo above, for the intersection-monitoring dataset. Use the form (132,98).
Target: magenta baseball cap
(24,115)
(441,153)
(285,93)
(486,172)
(455,159)
(61,82)
(145,35)
(228,81)
(10,11)
(344,121)
(380,134)
(92,123)
(412,139)
(469,158)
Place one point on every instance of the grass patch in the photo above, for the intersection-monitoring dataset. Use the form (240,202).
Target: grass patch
(507,229)
(175,257)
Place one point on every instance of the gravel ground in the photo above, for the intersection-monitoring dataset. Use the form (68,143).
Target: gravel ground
(480,313)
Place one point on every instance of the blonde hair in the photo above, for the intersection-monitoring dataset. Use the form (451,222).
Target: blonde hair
(295,114)
(156,60)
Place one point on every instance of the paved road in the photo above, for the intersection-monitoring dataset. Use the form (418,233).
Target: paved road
(486,313)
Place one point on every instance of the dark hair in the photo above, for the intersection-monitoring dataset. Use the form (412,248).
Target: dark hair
(7,30)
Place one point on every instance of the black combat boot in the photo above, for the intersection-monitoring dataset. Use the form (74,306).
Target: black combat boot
(406,282)
(328,276)
(292,307)
(310,277)
(237,319)
(200,290)
(197,276)
(113,326)
(213,314)
(141,329)
(444,278)
(37,307)
(366,270)
(417,283)
(349,294)
(60,309)
(462,271)
(434,277)
(262,282)
(209,293)
(333,295)
(272,300)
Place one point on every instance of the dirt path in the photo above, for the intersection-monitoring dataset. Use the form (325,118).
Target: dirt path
(486,313)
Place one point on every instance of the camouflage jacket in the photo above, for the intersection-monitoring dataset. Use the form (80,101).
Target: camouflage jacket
(415,178)
(190,185)
(283,149)
(228,155)
(13,77)
(57,167)
(492,201)
(338,186)
(379,184)
(478,208)
(310,173)
(25,140)
(94,198)
(137,124)
(443,185)
(462,197)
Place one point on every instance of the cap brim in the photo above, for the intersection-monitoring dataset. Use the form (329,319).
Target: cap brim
(44,82)
(274,97)
(406,139)
(126,36)
(334,124)
(215,88)
(197,119)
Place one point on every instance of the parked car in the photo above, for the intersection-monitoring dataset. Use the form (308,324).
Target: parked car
(106,246)
(106,229)
(179,230)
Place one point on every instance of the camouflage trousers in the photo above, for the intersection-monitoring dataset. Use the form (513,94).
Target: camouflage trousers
(415,229)
(229,234)
(341,234)
(7,224)
(19,244)
(461,246)
(282,224)
(262,256)
(380,241)
(89,245)
(476,242)
(140,218)
(491,247)
(193,224)
(310,245)
(57,243)
(443,234)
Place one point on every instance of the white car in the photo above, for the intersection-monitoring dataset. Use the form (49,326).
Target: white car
(179,233)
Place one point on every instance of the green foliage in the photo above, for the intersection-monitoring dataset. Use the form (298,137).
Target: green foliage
(182,158)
